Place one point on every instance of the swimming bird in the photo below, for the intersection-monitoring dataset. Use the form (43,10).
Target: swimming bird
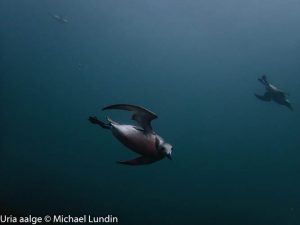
(59,18)
(273,93)
(141,139)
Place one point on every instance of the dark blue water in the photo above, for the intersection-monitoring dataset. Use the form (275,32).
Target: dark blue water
(194,63)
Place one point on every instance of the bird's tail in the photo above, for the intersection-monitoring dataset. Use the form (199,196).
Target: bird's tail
(94,120)
(263,80)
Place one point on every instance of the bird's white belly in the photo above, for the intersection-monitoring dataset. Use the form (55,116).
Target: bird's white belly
(135,139)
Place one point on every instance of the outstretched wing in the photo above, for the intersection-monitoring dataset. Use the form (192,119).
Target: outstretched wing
(266,97)
(142,160)
(141,115)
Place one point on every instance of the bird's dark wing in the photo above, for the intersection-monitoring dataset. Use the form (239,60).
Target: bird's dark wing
(266,97)
(141,115)
(142,160)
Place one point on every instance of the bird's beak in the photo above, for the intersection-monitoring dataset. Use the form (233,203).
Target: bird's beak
(169,156)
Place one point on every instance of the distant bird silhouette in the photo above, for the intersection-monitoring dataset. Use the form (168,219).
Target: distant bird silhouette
(273,93)
(59,18)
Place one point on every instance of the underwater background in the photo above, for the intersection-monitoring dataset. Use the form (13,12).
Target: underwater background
(195,63)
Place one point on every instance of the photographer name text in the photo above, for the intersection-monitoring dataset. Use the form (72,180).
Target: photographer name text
(58,219)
